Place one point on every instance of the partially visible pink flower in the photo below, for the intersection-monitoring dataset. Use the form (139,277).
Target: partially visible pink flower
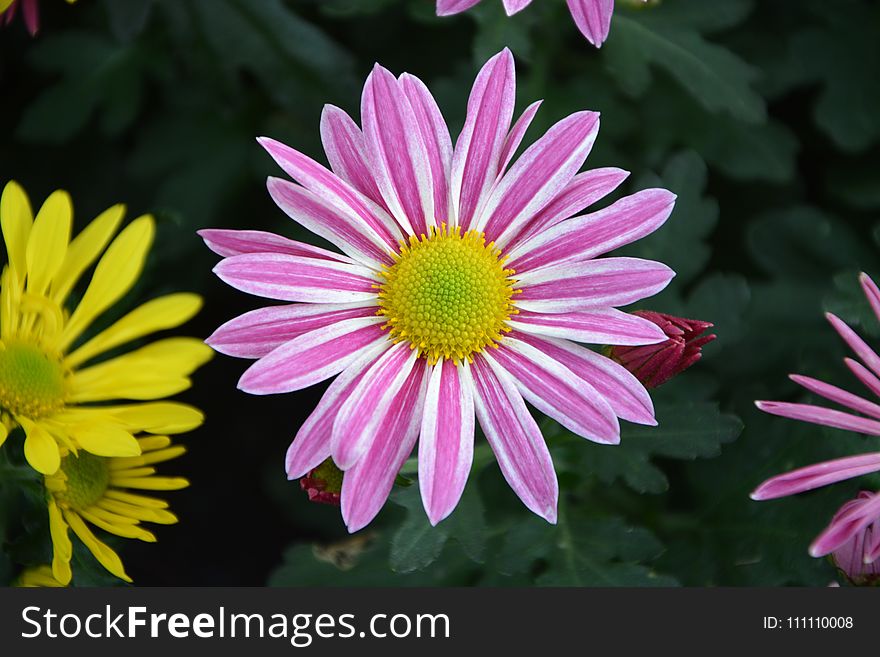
(655,364)
(862,416)
(853,539)
(467,279)
(593,17)
(323,484)
(30,12)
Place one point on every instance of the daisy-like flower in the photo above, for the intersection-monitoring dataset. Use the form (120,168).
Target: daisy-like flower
(593,17)
(861,416)
(107,493)
(465,283)
(59,386)
(859,557)
(30,13)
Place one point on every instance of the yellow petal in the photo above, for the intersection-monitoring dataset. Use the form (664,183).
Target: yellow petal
(4,433)
(152,483)
(40,448)
(16,218)
(153,417)
(158,456)
(156,315)
(61,546)
(47,244)
(105,556)
(106,440)
(5,4)
(39,576)
(84,249)
(116,272)
(123,529)
(145,514)
(139,500)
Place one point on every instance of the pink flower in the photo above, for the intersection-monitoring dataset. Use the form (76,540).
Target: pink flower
(858,557)
(593,17)
(464,285)
(866,370)
(655,364)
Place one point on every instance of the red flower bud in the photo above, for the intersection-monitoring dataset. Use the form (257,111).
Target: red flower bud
(323,484)
(655,364)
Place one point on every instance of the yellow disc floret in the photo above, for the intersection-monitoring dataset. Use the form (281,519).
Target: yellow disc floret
(81,480)
(31,381)
(447,294)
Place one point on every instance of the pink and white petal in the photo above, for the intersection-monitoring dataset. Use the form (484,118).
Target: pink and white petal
(845,525)
(593,18)
(606,326)
(362,414)
(864,375)
(435,135)
(368,482)
(837,395)
(517,132)
(623,392)
(477,155)
(591,284)
(450,7)
(446,441)
(538,176)
(862,350)
(513,6)
(240,242)
(556,391)
(590,235)
(312,357)
(584,189)
(312,444)
(398,153)
(514,436)
(294,278)
(326,185)
(346,231)
(347,152)
(819,415)
(258,332)
(872,292)
(817,475)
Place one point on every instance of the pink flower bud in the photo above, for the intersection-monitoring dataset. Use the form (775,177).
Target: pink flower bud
(858,558)
(323,484)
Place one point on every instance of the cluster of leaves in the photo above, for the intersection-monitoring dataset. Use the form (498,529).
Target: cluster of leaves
(763,118)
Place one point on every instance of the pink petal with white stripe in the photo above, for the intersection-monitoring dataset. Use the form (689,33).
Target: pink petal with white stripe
(591,284)
(869,356)
(584,189)
(347,152)
(838,395)
(622,391)
(538,176)
(294,278)
(817,475)
(400,160)
(368,482)
(446,442)
(593,18)
(256,333)
(364,411)
(312,444)
(345,230)
(333,189)
(853,518)
(514,437)
(477,155)
(239,242)
(513,6)
(864,375)
(435,135)
(556,391)
(819,415)
(449,7)
(312,357)
(587,236)
(607,326)
(517,132)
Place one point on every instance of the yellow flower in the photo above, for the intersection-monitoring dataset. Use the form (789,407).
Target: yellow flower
(99,491)
(38,576)
(53,382)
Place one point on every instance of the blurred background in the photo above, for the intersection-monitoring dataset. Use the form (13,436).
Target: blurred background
(764,117)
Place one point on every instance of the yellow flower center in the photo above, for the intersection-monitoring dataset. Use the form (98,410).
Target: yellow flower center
(447,294)
(86,478)
(31,381)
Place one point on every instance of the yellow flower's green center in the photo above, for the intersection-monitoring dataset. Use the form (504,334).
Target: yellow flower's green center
(448,294)
(86,479)
(31,382)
